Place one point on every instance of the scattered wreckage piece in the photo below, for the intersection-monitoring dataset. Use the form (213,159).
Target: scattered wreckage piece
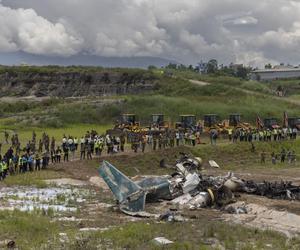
(161,241)
(213,164)
(274,190)
(203,199)
(187,188)
(185,182)
(185,164)
(131,196)
(172,216)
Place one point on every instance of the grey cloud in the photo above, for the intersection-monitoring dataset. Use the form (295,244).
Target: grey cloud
(23,29)
(245,20)
(252,32)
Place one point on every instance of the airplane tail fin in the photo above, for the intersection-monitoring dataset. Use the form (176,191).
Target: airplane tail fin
(130,196)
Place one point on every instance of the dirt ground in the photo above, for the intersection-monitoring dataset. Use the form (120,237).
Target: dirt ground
(98,212)
(102,211)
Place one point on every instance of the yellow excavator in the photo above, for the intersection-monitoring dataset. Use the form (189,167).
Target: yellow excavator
(235,122)
(127,122)
(158,120)
(186,122)
(211,121)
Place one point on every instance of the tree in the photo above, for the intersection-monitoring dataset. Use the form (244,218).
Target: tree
(242,72)
(225,70)
(171,66)
(212,66)
(181,67)
(268,66)
(152,67)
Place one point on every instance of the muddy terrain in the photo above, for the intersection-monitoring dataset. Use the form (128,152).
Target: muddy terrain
(80,204)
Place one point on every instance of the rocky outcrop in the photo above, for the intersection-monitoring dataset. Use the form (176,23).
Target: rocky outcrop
(72,84)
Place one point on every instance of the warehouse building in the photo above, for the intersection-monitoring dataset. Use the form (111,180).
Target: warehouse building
(273,74)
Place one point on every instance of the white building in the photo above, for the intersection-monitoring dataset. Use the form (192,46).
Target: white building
(202,67)
(273,74)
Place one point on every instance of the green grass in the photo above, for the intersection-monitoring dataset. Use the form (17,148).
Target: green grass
(172,96)
(257,87)
(73,130)
(238,156)
(70,69)
(148,164)
(229,156)
(32,178)
(25,134)
(190,235)
(172,106)
(28,230)
(291,86)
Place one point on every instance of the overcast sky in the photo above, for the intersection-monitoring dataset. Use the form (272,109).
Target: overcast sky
(251,32)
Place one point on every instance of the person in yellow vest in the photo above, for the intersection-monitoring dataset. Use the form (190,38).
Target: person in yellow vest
(270,135)
(4,168)
(20,164)
(260,135)
(265,135)
(97,147)
(275,132)
(101,145)
(193,139)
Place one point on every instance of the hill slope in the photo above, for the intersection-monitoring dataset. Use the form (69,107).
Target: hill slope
(117,91)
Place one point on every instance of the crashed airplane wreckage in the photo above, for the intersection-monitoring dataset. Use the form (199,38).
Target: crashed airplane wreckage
(187,187)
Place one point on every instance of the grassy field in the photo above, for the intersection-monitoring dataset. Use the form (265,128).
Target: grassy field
(204,231)
(172,96)
(190,236)
(25,134)
(203,234)
(33,179)
(29,230)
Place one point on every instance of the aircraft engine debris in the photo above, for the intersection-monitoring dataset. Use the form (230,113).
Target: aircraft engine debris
(187,187)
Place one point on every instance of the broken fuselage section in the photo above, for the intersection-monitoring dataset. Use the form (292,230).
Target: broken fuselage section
(131,196)
(187,187)
(184,186)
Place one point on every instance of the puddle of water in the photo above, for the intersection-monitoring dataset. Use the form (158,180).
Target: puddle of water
(66,181)
(58,199)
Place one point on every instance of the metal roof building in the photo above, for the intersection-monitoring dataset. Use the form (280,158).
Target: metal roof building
(273,74)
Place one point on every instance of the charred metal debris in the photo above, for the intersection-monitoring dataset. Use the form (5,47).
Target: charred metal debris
(187,187)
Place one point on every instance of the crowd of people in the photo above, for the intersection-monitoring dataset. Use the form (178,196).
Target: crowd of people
(161,139)
(249,135)
(38,154)
(285,155)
